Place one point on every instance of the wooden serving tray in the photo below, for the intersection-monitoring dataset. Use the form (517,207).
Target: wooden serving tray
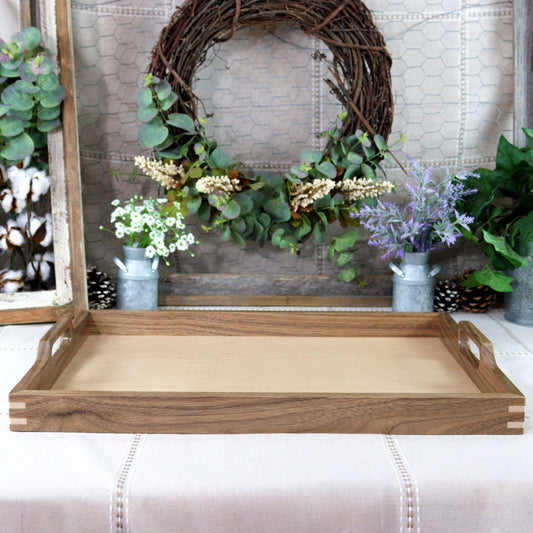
(265,372)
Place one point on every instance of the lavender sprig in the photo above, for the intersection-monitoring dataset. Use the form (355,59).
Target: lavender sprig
(427,221)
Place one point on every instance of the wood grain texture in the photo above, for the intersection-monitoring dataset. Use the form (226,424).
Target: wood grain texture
(321,323)
(34,314)
(264,364)
(275,300)
(71,155)
(497,407)
(268,413)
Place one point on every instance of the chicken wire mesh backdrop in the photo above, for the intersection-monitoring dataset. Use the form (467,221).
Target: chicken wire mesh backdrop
(452,84)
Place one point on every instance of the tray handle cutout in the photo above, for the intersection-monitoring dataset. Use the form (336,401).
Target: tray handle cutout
(56,341)
(468,333)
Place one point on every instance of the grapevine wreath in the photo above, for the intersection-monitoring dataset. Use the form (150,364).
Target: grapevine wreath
(328,185)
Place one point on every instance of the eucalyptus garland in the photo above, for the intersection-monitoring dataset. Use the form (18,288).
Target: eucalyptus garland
(327,185)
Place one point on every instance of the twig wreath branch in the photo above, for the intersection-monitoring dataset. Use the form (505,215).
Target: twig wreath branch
(360,71)
(327,186)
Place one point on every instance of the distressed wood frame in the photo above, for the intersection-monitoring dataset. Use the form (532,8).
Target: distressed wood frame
(70,293)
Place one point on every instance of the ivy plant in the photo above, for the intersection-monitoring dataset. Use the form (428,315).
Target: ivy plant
(503,213)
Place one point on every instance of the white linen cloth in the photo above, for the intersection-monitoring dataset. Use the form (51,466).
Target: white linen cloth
(317,483)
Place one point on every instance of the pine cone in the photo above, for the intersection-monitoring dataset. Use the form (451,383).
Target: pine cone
(477,299)
(447,296)
(101,289)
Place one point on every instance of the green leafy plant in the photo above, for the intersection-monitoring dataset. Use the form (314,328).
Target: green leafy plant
(327,186)
(503,213)
(30,98)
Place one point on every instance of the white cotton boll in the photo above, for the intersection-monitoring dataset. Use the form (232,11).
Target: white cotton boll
(39,183)
(15,237)
(40,267)
(45,270)
(49,257)
(6,200)
(3,240)
(11,286)
(33,225)
(30,271)
(11,281)
(20,184)
(47,240)
(22,220)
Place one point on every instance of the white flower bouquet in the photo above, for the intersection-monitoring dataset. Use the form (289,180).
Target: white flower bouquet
(154,224)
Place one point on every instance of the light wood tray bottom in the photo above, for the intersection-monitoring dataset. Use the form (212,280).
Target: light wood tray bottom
(264,364)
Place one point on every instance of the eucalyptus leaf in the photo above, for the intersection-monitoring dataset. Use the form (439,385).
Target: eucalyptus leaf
(48,125)
(312,156)
(245,202)
(343,258)
(48,82)
(163,89)
(231,210)
(170,154)
(368,171)
(278,209)
(17,148)
(153,133)
(11,126)
(238,225)
(380,143)
(182,121)
(48,113)
(277,236)
(26,87)
(319,234)
(348,274)
(168,102)
(355,158)
(16,100)
(274,181)
(53,98)
(237,237)
(219,159)
(328,169)
(32,36)
(225,233)
(144,97)
(344,240)
(147,113)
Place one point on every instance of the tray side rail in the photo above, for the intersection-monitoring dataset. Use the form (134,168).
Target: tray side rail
(482,370)
(56,349)
(230,413)
(290,323)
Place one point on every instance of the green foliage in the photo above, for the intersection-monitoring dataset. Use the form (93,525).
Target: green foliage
(503,213)
(30,97)
(262,208)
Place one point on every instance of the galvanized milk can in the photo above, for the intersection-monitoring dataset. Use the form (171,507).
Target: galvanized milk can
(413,283)
(137,279)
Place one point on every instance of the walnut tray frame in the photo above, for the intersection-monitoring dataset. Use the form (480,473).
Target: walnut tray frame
(265,372)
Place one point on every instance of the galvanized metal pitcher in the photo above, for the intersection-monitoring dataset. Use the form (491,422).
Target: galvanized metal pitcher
(137,279)
(413,283)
